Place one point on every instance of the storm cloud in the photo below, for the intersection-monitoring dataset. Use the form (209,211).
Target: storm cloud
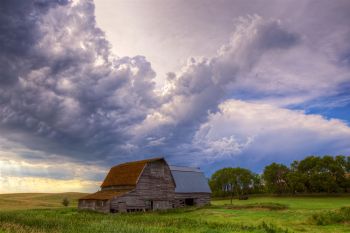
(66,97)
(61,90)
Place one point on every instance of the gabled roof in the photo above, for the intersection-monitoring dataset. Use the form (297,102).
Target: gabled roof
(189,180)
(126,174)
(105,195)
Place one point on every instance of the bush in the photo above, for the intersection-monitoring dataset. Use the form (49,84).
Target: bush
(331,217)
(65,201)
(243,197)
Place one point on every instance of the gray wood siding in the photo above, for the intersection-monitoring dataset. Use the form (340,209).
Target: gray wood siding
(155,188)
(156,182)
(200,199)
(96,205)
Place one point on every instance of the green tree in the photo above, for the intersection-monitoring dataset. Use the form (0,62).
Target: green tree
(219,182)
(308,169)
(276,177)
(258,185)
(243,180)
(295,179)
(232,181)
(347,174)
(322,174)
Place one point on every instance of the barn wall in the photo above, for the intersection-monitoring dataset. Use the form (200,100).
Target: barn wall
(128,202)
(96,205)
(199,199)
(154,190)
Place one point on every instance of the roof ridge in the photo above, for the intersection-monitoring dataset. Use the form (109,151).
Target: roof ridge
(140,161)
(185,169)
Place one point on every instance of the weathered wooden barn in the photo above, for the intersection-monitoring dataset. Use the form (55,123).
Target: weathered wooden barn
(148,185)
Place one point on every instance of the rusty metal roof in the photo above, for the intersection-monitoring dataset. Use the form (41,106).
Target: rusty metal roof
(104,195)
(126,174)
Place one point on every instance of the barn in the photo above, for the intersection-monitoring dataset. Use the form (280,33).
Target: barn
(148,185)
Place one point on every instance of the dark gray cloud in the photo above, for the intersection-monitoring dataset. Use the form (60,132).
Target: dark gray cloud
(19,20)
(61,89)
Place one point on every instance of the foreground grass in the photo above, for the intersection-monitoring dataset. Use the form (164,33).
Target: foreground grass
(261,214)
(297,217)
(330,217)
(72,221)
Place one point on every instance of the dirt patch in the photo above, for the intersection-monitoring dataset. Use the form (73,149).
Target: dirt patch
(258,206)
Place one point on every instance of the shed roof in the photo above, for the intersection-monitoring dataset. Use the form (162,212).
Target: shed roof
(126,174)
(189,180)
(104,195)
(185,169)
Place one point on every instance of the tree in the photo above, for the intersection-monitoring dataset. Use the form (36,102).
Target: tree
(65,201)
(232,181)
(219,182)
(312,174)
(243,180)
(307,169)
(347,174)
(295,179)
(258,185)
(276,177)
(321,174)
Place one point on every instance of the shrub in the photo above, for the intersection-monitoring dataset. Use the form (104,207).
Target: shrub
(243,197)
(65,201)
(331,217)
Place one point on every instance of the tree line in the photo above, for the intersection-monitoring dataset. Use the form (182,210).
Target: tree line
(313,174)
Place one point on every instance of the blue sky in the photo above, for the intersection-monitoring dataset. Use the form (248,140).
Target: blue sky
(85,85)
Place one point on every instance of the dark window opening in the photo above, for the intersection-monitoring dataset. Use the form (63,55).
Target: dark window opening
(189,201)
(135,210)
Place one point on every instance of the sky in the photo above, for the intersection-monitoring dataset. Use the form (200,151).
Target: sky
(85,85)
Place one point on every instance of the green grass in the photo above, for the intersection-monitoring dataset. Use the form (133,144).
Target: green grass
(258,214)
(296,217)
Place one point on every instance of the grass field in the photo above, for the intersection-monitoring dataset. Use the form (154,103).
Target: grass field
(36,213)
(21,201)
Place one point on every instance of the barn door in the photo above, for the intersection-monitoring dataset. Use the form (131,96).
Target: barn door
(121,207)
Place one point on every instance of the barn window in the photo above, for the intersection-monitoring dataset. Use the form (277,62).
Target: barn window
(189,201)
(100,203)
(90,203)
